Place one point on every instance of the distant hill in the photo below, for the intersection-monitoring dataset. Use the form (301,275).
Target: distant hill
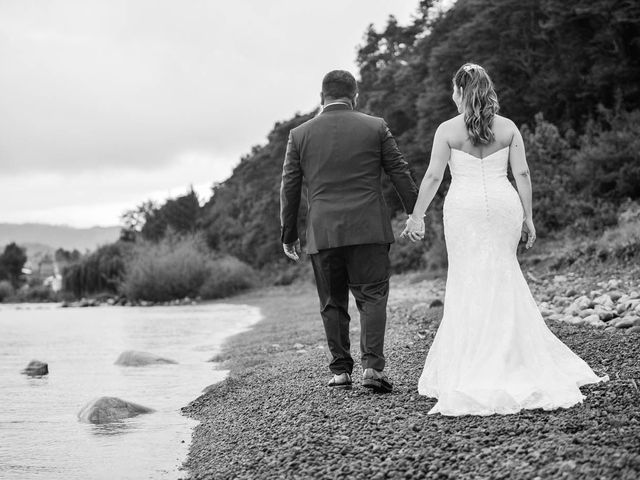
(57,236)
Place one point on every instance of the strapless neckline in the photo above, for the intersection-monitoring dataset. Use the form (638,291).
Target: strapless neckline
(480,158)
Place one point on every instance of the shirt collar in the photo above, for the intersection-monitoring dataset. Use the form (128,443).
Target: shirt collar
(337,103)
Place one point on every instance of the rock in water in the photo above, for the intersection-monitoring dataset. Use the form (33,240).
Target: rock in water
(132,358)
(36,368)
(110,409)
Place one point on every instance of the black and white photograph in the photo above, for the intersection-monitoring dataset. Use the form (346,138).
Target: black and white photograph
(358,239)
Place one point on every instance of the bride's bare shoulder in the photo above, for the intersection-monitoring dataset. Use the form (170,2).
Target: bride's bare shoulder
(503,123)
(504,129)
(451,126)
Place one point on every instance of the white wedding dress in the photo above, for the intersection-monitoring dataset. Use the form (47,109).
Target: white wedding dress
(493,353)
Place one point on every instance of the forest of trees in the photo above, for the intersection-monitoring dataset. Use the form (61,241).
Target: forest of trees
(566,71)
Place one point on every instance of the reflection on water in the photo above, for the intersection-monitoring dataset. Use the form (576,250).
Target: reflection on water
(42,437)
(115,428)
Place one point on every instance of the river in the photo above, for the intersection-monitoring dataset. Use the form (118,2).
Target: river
(40,434)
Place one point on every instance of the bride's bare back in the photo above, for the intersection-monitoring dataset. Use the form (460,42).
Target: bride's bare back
(457,137)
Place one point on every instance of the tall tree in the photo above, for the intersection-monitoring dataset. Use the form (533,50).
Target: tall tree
(12,262)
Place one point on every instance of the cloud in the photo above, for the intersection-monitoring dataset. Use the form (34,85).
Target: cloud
(92,89)
(99,198)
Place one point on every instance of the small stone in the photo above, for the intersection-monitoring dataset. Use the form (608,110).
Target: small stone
(110,409)
(610,329)
(615,295)
(634,329)
(574,320)
(559,279)
(606,316)
(604,300)
(623,298)
(587,312)
(298,346)
(418,307)
(614,283)
(572,292)
(36,368)
(436,303)
(583,302)
(621,308)
(625,322)
(594,321)
(133,358)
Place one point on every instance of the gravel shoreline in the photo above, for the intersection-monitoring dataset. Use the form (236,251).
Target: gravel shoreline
(273,417)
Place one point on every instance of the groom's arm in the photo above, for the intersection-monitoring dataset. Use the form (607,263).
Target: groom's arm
(290,190)
(397,169)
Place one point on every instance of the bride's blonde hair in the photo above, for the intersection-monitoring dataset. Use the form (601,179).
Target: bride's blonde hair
(479,102)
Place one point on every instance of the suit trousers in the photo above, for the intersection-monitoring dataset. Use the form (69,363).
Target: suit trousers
(363,269)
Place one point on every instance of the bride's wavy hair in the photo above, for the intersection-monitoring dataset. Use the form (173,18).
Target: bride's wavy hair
(479,102)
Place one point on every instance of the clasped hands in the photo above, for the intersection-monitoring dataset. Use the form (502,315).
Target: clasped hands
(414,229)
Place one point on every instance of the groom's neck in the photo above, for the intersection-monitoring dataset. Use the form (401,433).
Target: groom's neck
(348,101)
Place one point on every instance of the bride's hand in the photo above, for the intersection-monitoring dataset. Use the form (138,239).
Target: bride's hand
(414,229)
(530,230)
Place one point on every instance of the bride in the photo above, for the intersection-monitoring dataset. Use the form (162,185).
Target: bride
(492,353)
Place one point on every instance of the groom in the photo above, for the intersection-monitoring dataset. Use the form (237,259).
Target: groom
(341,154)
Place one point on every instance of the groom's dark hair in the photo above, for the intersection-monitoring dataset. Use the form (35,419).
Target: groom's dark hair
(339,84)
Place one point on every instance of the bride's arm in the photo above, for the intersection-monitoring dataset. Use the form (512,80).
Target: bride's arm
(520,170)
(440,153)
(431,181)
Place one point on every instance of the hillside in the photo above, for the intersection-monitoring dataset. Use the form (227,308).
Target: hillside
(57,236)
(567,72)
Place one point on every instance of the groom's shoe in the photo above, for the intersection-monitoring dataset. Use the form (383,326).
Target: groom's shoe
(376,380)
(342,381)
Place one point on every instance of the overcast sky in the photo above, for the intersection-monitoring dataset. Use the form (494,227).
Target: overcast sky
(105,104)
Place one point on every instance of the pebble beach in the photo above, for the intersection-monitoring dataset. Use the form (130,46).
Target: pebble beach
(273,417)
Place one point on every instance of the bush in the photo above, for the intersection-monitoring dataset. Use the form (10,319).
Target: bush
(623,241)
(430,254)
(226,276)
(183,267)
(167,270)
(100,271)
(36,294)
(608,162)
(6,290)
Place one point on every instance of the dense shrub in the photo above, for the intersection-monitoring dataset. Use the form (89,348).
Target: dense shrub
(6,290)
(37,294)
(622,241)
(608,162)
(11,262)
(182,267)
(100,271)
(226,276)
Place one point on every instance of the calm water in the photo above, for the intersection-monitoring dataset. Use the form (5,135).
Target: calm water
(40,435)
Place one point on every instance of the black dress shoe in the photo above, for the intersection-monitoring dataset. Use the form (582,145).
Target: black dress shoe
(342,381)
(376,380)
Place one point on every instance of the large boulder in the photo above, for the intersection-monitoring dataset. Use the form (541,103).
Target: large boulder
(132,358)
(110,409)
(36,368)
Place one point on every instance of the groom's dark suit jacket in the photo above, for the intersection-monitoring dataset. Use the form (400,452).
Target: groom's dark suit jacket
(341,154)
